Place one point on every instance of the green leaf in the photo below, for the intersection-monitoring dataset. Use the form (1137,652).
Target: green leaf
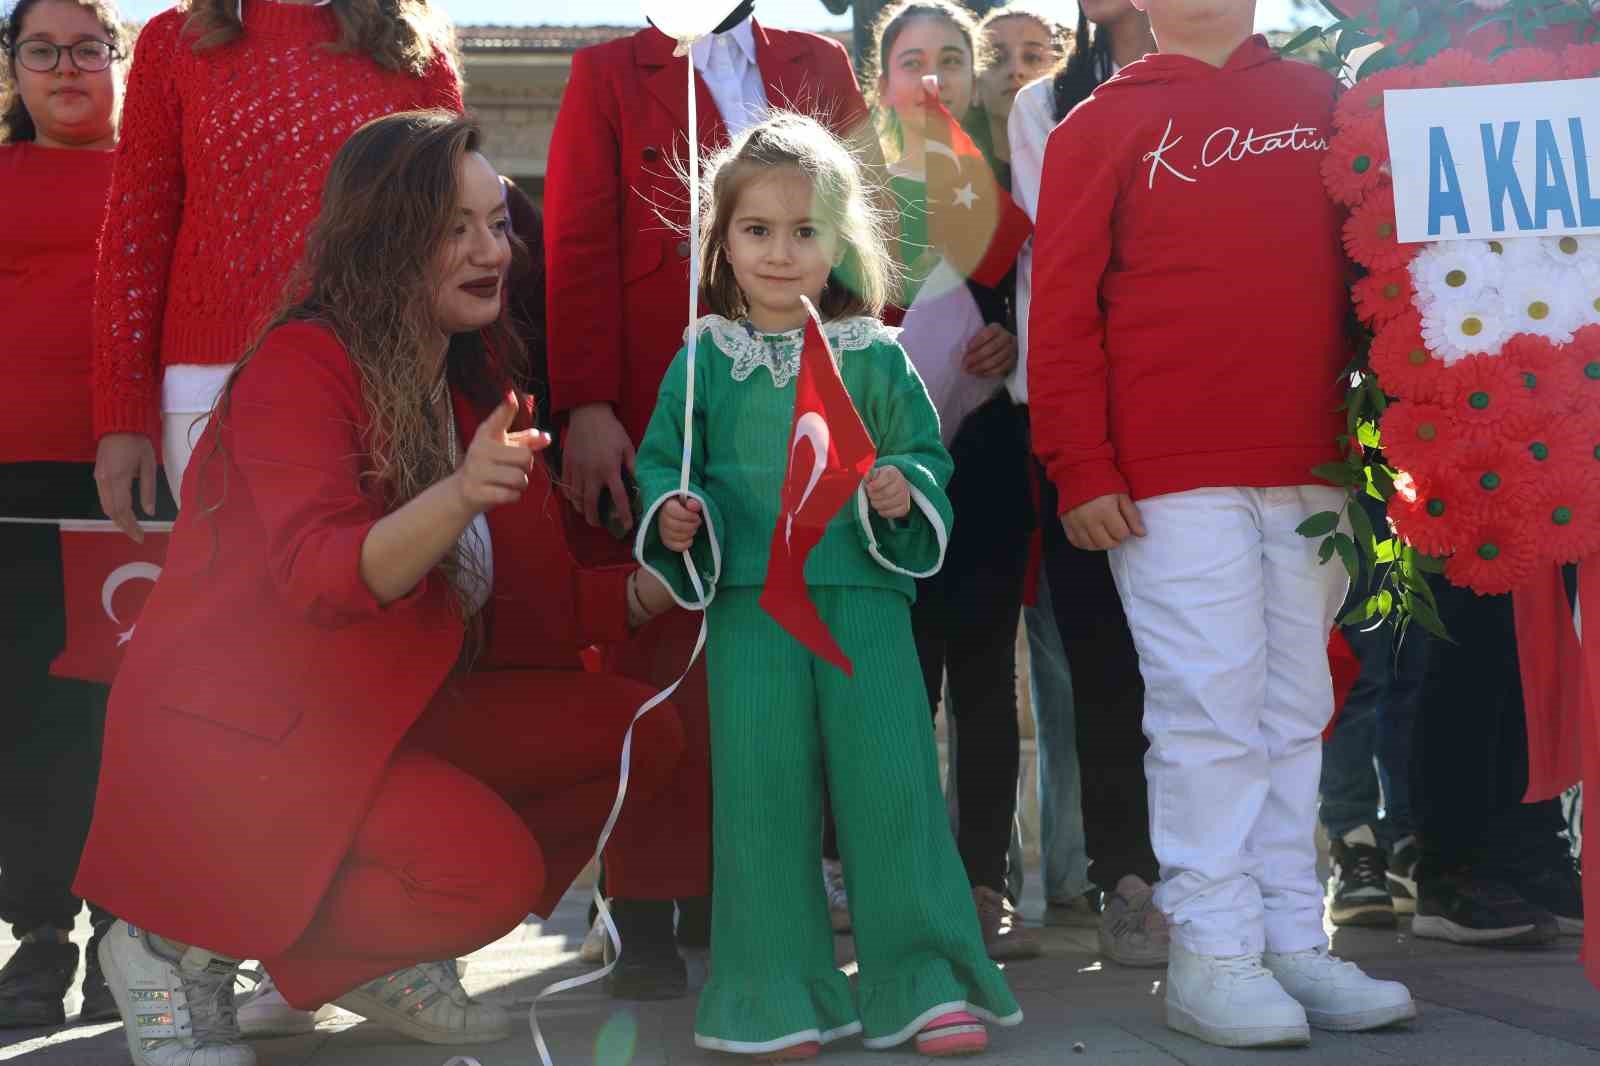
(1344,474)
(1319,525)
(1325,551)
(1361,527)
(1360,612)
(1428,617)
(1300,40)
(1367,434)
(1352,39)
(1430,564)
(1383,478)
(1385,600)
(1348,555)
(1385,551)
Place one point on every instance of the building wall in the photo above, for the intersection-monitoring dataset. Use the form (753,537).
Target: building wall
(516,97)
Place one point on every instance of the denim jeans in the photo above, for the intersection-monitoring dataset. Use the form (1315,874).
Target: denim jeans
(1366,763)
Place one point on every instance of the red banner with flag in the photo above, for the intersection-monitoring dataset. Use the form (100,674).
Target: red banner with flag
(105,580)
(972,220)
(830,453)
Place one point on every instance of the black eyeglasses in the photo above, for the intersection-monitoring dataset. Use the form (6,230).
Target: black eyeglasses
(42,56)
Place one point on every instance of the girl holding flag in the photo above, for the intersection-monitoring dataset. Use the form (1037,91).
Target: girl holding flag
(790,222)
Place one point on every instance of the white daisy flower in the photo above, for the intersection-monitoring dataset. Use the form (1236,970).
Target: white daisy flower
(1543,301)
(1455,270)
(1571,250)
(1587,285)
(1519,253)
(1457,331)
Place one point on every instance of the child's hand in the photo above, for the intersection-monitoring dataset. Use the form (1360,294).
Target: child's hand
(888,492)
(679,522)
(1103,522)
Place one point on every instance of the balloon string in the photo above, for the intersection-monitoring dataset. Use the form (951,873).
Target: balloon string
(603,912)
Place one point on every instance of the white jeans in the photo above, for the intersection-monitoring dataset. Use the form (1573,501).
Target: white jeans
(188,392)
(1230,613)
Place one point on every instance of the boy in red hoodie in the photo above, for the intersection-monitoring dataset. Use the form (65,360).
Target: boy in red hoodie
(1188,339)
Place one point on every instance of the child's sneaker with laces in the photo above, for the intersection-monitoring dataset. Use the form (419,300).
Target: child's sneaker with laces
(1359,888)
(1337,996)
(1231,1001)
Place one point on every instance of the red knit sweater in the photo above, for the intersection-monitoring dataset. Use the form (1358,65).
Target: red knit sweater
(1188,321)
(219,175)
(54,200)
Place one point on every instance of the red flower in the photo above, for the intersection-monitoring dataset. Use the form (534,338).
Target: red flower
(1581,60)
(1564,514)
(1369,234)
(1381,298)
(1356,163)
(1490,398)
(1399,356)
(1363,102)
(1525,64)
(1542,366)
(1577,380)
(1453,67)
(1572,441)
(1425,518)
(1417,437)
(1492,476)
(1499,557)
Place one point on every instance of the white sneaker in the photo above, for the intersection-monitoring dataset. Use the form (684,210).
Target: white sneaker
(1231,1001)
(177,1009)
(264,1012)
(1336,994)
(426,1002)
(594,944)
(838,901)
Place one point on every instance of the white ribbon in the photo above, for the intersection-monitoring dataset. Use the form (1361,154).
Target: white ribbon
(604,912)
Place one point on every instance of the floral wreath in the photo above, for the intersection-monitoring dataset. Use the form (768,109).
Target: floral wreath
(1478,373)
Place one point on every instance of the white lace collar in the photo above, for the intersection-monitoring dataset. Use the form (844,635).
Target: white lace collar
(749,348)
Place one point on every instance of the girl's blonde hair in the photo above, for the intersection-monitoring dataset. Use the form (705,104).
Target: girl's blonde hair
(399,35)
(862,281)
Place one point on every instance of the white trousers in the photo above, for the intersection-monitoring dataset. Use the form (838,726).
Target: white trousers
(1231,612)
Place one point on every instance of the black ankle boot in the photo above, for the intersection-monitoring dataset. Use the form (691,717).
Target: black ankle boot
(34,983)
(650,967)
(694,922)
(98,1005)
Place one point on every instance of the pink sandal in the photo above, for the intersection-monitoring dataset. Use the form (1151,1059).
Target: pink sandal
(949,1035)
(792,1053)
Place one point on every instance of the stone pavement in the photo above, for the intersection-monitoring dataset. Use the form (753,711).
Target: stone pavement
(1478,1008)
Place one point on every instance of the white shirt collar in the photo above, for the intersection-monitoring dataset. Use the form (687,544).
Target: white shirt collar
(238,10)
(741,36)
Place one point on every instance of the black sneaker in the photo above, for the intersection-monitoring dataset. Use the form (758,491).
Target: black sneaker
(1359,888)
(1558,888)
(98,1004)
(650,966)
(34,983)
(1402,875)
(694,923)
(1473,910)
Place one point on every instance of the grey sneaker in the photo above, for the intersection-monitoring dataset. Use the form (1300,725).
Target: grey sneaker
(426,1002)
(1133,931)
(838,901)
(176,1005)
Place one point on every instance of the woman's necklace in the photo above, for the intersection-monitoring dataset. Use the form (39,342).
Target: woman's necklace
(450,443)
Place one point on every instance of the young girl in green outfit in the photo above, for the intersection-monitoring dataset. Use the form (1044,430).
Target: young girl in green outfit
(790,218)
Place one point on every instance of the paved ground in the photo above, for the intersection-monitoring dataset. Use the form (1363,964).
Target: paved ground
(1478,1007)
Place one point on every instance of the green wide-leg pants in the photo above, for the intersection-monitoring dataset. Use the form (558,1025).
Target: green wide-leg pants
(780,719)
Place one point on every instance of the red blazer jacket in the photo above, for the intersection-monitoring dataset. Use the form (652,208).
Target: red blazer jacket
(616,209)
(263,673)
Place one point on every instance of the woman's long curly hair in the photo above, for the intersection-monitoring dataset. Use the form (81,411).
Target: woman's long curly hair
(402,35)
(390,200)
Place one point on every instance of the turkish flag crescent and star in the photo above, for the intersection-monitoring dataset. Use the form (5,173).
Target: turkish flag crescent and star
(105,580)
(829,455)
(972,221)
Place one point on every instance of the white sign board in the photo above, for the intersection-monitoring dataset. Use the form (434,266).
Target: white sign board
(1486,161)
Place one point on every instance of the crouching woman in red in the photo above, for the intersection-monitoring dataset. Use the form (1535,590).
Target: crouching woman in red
(369,621)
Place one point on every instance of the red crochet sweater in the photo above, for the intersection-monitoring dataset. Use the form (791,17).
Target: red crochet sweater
(219,175)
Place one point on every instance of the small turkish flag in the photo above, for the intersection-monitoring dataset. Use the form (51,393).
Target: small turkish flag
(829,454)
(972,221)
(105,580)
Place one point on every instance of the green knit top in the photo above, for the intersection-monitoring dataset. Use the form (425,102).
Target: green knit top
(743,413)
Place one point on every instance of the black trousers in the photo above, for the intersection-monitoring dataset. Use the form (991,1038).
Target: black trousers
(1108,704)
(965,622)
(1470,749)
(50,758)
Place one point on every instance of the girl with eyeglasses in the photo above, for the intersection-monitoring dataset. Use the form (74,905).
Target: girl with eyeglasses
(59,95)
